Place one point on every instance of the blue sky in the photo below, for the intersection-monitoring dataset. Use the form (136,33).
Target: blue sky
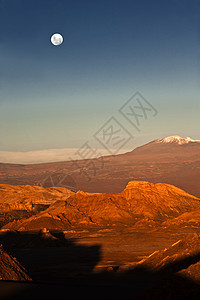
(58,97)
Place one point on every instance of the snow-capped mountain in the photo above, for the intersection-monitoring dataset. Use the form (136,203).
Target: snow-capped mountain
(174,160)
(177,139)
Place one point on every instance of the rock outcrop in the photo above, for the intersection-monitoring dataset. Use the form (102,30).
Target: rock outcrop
(17,202)
(179,256)
(140,203)
(188,219)
(10,268)
(178,268)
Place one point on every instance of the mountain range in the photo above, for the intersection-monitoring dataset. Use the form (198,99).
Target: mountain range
(173,160)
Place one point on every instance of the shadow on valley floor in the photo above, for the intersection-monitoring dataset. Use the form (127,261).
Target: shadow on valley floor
(50,257)
(61,269)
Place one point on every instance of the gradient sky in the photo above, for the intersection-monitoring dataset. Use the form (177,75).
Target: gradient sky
(58,97)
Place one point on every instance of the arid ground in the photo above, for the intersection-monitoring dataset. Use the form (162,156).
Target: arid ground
(140,242)
(86,261)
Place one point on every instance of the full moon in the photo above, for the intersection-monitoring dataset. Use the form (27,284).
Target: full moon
(56,39)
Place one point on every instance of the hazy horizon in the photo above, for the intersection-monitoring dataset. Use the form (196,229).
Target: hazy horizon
(57,155)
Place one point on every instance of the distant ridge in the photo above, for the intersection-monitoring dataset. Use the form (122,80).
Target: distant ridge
(174,160)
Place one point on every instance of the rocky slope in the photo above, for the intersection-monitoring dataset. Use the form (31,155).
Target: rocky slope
(180,265)
(140,203)
(10,268)
(188,219)
(23,201)
(174,256)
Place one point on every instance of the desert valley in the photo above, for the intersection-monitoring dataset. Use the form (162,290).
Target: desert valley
(132,231)
(99,150)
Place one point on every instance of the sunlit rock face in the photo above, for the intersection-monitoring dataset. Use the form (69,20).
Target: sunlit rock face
(141,203)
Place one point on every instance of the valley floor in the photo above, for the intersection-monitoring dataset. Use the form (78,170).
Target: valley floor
(85,261)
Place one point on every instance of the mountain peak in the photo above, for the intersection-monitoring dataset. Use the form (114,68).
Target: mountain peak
(176,139)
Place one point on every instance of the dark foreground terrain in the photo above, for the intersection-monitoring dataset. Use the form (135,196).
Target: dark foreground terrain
(103,263)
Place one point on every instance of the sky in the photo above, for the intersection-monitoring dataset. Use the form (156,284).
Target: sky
(117,56)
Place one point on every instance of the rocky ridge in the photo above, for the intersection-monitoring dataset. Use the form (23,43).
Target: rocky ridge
(141,203)
(23,201)
(10,268)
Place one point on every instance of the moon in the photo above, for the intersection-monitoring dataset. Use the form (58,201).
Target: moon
(57,39)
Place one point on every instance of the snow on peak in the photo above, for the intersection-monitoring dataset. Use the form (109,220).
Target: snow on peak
(177,139)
